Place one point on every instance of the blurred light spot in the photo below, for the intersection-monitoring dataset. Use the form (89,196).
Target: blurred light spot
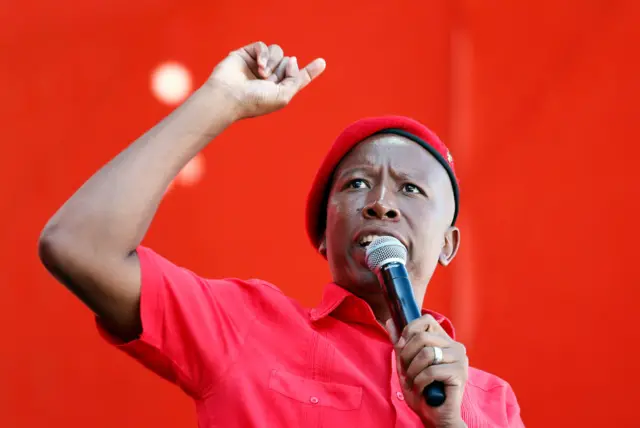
(192,172)
(171,83)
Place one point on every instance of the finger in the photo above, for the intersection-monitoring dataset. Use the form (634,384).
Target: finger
(425,323)
(292,68)
(417,345)
(452,375)
(253,54)
(257,51)
(391,328)
(275,56)
(262,54)
(425,358)
(296,79)
(310,72)
(402,376)
(279,73)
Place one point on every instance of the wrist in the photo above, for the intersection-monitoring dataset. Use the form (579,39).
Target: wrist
(223,99)
(454,424)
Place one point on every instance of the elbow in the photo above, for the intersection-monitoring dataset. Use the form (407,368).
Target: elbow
(58,249)
(61,254)
(49,247)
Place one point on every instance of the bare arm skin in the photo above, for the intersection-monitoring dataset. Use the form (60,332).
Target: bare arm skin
(89,244)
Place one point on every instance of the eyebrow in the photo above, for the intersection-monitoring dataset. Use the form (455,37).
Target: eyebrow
(407,176)
(398,175)
(351,171)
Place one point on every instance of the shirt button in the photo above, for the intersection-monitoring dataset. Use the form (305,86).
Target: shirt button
(314,400)
(400,395)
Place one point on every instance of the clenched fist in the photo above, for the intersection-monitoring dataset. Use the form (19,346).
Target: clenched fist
(260,79)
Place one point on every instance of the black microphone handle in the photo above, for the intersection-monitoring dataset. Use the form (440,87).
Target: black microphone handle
(394,278)
(434,394)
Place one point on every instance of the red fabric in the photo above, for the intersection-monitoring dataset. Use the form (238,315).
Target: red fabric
(252,357)
(349,138)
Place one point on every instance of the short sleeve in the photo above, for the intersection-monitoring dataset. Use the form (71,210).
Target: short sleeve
(514,419)
(489,402)
(192,328)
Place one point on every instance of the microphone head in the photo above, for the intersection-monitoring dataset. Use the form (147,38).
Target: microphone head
(383,250)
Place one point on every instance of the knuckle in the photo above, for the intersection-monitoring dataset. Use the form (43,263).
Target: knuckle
(463,349)
(284,99)
(425,337)
(422,380)
(429,318)
(425,352)
(431,371)
(412,329)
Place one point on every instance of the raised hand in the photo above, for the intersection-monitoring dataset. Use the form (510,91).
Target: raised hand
(260,79)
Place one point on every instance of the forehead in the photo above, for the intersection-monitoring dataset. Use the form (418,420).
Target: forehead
(396,152)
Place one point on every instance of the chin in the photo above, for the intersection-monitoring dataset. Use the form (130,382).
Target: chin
(364,282)
(353,274)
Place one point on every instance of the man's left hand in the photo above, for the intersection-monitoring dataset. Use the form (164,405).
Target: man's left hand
(417,369)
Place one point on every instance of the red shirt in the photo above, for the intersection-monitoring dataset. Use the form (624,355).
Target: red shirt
(252,357)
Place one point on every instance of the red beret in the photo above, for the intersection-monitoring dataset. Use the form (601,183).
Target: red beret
(348,139)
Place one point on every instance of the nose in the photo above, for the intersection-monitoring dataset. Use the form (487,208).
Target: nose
(381,208)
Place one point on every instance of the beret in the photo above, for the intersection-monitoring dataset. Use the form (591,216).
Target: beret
(347,140)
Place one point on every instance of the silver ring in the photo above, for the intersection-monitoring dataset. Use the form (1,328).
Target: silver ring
(438,355)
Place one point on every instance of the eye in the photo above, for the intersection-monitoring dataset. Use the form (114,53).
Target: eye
(357,183)
(411,188)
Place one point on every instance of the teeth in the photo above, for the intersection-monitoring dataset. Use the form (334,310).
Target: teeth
(366,240)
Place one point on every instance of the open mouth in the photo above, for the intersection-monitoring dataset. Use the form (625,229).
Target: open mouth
(366,240)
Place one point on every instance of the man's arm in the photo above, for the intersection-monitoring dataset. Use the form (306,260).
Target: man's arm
(89,244)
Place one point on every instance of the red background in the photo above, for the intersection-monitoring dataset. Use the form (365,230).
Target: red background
(537,100)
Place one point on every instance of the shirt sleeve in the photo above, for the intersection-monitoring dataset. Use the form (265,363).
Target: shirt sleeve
(514,419)
(192,328)
(491,407)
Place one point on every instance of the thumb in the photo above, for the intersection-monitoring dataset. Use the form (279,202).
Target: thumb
(296,79)
(311,71)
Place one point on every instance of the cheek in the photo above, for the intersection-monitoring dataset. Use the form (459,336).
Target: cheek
(427,246)
(335,220)
(332,206)
(333,212)
(424,258)
(338,212)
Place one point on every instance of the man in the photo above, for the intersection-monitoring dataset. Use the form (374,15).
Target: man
(248,355)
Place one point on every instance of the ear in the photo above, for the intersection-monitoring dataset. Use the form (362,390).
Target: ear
(322,248)
(450,247)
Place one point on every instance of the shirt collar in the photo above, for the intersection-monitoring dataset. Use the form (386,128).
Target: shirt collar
(335,297)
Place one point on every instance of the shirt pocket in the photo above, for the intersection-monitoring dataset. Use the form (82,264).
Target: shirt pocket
(315,393)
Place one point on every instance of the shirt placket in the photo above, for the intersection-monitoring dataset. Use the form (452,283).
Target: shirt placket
(405,416)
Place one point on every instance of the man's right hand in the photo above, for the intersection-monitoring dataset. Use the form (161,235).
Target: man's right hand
(260,79)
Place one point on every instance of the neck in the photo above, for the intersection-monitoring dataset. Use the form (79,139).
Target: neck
(380,308)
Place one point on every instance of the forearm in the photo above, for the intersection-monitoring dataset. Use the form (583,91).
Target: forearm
(116,205)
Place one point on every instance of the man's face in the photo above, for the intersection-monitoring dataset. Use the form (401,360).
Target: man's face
(389,185)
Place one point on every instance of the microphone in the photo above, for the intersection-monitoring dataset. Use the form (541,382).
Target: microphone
(386,257)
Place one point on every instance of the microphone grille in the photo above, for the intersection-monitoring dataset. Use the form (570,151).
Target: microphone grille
(383,250)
